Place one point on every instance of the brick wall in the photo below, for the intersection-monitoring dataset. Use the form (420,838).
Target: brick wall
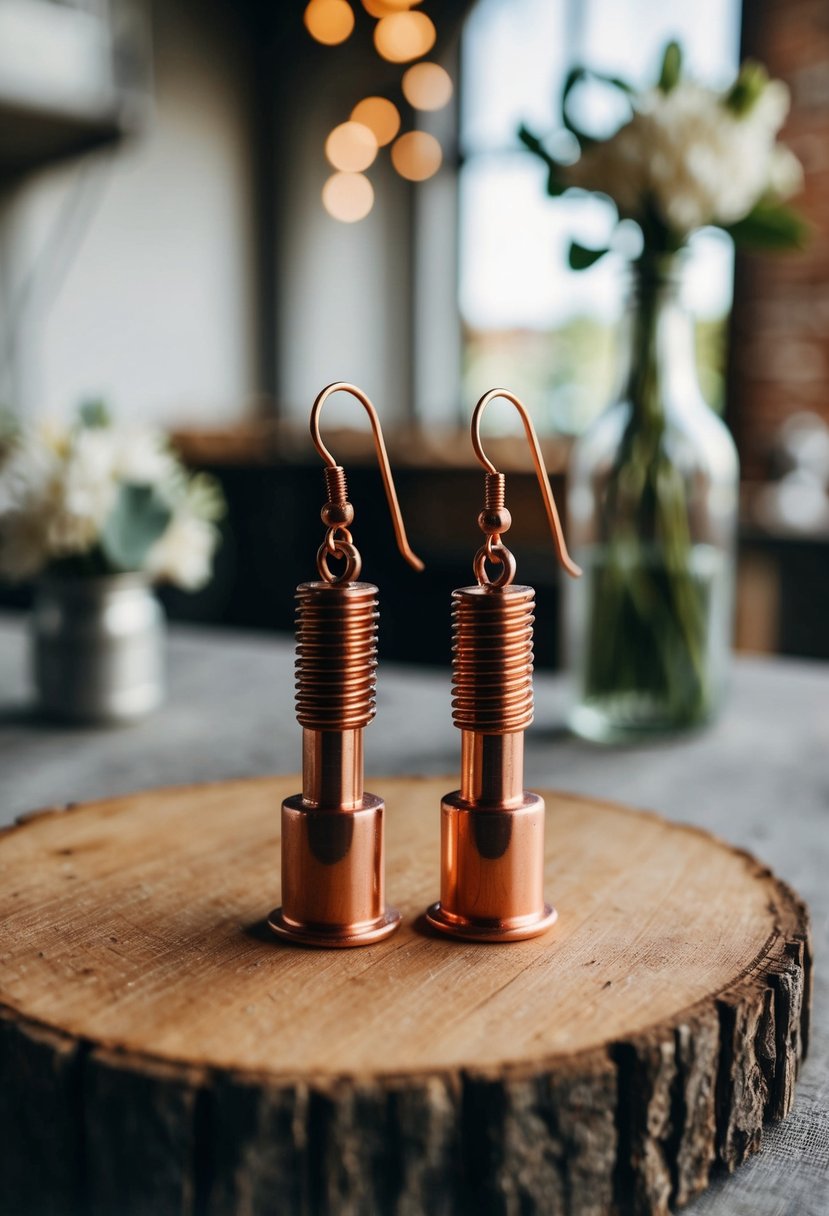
(780,326)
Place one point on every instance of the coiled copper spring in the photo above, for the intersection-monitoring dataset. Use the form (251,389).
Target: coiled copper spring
(492,659)
(335,484)
(336,630)
(494,491)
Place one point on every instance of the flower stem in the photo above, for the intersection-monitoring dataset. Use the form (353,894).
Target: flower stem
(649,609)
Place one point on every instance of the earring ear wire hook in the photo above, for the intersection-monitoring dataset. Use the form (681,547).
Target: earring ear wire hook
(538,461)
(382,458)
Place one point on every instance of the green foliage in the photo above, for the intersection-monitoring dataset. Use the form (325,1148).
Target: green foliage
(138,519)
(9,427)
(555,181)
(671,70)
(94,413)
(770,227)
(206,498)
(576,76)
(747,88)
(581,258)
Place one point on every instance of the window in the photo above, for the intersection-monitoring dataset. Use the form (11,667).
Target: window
(528,321)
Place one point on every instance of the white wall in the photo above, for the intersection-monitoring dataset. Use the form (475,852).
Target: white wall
(344,289)
(373,302)
(148,297)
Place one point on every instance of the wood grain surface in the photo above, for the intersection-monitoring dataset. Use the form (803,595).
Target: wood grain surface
(162,1052)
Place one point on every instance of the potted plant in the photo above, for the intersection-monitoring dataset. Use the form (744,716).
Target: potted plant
(97,513)
(652,492)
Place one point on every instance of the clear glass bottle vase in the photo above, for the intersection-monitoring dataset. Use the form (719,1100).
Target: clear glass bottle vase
(652,511)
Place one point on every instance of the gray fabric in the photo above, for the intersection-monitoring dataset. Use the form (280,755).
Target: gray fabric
(760,779)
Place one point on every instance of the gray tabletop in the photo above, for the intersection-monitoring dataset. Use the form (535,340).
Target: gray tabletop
(760,779)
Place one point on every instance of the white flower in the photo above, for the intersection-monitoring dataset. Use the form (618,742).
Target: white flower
(771,108)
(786,173)
(59,486)
(691,158)
(90,483)
(143,457)
(184,554)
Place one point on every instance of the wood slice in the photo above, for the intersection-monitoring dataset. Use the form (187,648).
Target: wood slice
(161,1053)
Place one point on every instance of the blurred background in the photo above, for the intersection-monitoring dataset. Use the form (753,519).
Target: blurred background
(165,247)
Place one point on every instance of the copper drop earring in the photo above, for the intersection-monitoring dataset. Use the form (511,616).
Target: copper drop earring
(492,829)
(332,833)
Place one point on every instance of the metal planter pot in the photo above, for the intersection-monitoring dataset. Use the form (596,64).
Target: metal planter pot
(98,649)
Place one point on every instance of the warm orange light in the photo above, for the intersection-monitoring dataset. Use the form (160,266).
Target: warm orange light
(348,197)
(329,21)
(380,116)
(382,8)
(379,8)
(404,36)
(416,155)
(351,147)
(427,86)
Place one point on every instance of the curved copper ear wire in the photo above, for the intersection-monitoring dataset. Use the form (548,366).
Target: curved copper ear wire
(538,461)
(382,457)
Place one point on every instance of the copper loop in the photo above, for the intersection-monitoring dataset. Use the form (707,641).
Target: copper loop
(336,655)
(382,457)
(496,552)
(538,463)
(492,661)
(495,548)
(335,538)
(350,572)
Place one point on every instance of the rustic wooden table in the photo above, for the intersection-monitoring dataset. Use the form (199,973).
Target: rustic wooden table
(758,779)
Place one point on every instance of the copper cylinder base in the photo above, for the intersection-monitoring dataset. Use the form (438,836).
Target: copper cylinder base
(492,871)
(328,938)
(332,875)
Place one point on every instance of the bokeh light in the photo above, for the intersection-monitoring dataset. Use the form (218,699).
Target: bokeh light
(348,197)
(379,8)
(427,86)
(380,115)
(329,21)
(351,147)
(404,36)
(382,8)
(416,156)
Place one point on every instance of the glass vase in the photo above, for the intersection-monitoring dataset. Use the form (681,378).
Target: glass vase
(652,511)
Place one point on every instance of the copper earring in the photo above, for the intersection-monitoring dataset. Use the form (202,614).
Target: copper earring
(492,829)
(332,833)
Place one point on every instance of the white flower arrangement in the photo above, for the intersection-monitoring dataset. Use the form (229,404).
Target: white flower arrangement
(96,499)
(687,157)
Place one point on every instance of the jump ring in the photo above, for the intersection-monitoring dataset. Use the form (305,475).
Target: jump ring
(501,556)
(493,547)
(353,563)
(334,538)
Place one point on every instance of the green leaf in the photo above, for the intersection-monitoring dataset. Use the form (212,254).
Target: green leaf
(576,76)
(747,88)
(140,516)
(671,67)
(581,258)
(532,142)
(556,184)
(94,413)
(770,226)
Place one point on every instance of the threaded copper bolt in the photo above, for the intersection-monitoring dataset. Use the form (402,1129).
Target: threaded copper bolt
(492,829)
(332,833)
